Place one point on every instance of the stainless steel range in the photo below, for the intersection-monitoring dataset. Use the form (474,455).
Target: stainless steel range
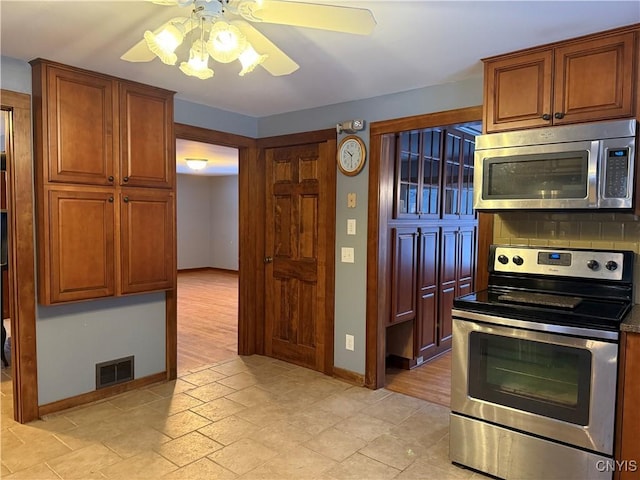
(535,362)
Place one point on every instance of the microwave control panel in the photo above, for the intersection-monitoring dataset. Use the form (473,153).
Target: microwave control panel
(616,173)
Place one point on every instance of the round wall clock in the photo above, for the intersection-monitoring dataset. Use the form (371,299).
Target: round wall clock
(352,154)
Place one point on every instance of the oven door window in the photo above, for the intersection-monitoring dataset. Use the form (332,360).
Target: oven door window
(541,378)
(537,176)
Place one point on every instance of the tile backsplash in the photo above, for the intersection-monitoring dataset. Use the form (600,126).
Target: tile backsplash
(578,230)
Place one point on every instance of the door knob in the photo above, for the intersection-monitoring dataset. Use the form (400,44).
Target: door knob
(268,260)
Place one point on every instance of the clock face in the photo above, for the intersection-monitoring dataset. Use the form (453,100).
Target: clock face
(351,155)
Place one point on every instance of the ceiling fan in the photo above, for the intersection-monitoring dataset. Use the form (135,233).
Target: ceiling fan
(223,30)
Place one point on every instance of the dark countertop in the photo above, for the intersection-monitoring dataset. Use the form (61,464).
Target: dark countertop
(632,322)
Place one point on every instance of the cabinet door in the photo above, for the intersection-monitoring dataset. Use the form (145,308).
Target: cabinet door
(403,290)
(431,172)
(146,137)
(594,79)
(79,131)
(465,207)
(427,312)
(628,414)
(466,260)
(518,91)
(147,233)
(408,175)
(448,282)
(457,176)
(77,262)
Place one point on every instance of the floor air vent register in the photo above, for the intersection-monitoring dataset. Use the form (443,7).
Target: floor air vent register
(114,372)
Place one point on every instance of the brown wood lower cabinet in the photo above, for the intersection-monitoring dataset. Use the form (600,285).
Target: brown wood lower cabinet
(456,274)
(431,265)
(628,415)
(81,260)
(427,326)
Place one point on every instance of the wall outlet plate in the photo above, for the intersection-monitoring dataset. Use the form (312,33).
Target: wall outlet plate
(349,342)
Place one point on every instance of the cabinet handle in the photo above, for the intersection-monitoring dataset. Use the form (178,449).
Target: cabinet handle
(125,179)
(111,178)
(546,116)
(558,115)
(126,199)
(110,199)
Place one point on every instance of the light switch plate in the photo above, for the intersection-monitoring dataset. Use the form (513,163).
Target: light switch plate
(351,226)
(348,255)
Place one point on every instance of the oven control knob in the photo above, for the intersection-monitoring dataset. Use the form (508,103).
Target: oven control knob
(518,260)
(593,265)
(503,259)
(611,265)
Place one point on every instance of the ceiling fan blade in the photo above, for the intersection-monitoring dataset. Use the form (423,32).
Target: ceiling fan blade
(359,21)
(277,62)
(139,53)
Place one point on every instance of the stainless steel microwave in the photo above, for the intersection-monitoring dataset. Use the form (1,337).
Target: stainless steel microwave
(583,166)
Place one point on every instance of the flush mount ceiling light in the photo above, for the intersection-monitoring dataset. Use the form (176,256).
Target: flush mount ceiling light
(220,29)
(196,163)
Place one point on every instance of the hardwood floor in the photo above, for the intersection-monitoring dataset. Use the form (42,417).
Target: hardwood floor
(208,333)
(430,381)
(207,317)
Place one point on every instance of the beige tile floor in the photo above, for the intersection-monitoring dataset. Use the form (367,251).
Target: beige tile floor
(246,418)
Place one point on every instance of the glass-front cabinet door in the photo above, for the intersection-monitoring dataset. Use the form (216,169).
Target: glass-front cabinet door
(408,173)
(457,179)
(418,173)
(434,174)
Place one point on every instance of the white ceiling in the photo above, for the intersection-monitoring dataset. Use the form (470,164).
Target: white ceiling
(415,44)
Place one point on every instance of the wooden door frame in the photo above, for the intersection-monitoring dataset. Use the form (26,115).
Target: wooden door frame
(22,260)
(380,196)
(249,234)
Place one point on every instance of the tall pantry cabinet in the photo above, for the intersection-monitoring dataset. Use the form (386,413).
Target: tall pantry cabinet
(433,232)
(105,185)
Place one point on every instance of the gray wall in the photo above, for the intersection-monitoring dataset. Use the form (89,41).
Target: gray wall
(80,329)
(207,219)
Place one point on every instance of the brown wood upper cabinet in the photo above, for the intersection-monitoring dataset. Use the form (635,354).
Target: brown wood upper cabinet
(581,80)
(146,136)
(102,131)
(105,184)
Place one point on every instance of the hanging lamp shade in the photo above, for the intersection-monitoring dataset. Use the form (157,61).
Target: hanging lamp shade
(226,42)
(250,59)
(197,66)
(166,41)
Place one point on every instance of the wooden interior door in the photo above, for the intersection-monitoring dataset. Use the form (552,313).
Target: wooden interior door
(296,314)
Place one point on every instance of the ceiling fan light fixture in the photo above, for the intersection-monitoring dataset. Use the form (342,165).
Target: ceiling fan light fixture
(165,42)
(250,59)
(197,66)
(196,163)
(226,42)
